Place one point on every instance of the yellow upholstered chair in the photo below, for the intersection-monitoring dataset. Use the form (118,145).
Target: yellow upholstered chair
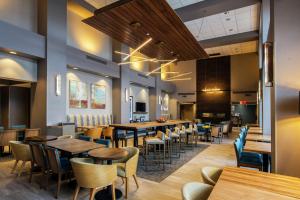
(93,176)
(127,167)
(94,133)
(21,152)
(108,132)
(32,132)
(196,191)
(210,175)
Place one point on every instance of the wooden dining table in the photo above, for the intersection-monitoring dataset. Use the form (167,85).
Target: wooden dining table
(108,154)
(262,148)
(258,137)
(73,146)
(142,125)
(244,184)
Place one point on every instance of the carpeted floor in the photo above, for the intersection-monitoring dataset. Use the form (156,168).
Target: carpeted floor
(155,172)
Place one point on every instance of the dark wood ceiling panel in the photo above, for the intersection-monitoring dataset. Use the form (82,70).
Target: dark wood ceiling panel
(155,17)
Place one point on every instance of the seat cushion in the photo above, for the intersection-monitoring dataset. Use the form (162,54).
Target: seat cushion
(251,158)
(153,140)
(121,170)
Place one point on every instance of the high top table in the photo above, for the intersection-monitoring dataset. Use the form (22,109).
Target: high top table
(244,184)
(142,125)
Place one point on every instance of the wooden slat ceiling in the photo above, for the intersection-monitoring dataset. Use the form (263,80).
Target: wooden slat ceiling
(170,36)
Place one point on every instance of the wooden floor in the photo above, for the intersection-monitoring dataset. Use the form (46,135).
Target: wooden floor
(12,187)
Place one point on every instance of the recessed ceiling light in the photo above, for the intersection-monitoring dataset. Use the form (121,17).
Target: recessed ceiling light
(75,68)
(147,34)
(106,76)
(171,52)
(231,29)
(226,13)
(13,52)
(227,19)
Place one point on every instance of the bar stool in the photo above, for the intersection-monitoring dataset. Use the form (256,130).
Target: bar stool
(174,142)
(182,136)
(190,132)
(159,140)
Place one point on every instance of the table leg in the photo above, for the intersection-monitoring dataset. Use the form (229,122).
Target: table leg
(265,162)
(135,138)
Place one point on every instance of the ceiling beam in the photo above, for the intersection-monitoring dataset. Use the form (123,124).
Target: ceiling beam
(211,7)
(230,39)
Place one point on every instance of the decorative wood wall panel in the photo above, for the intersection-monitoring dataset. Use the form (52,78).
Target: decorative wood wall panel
(213,73)
(171,38)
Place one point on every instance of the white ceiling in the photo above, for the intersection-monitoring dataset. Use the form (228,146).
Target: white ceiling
(233,49)
(181,3)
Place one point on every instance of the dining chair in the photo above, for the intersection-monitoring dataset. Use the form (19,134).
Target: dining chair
(182,137)
(198,132)
(127,167)
(21,152)
(5,137)
(174,142)
(210,175)
(94,133)
(247,159)
(93,176)
(215,133)
(196,191)
(32,132)
(39,160)
(225,129)
(85,138)
(57,165)
(108,132)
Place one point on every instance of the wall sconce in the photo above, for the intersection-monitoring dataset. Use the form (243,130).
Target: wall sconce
(159,99)
(268,63)
(126,95)
(58,85)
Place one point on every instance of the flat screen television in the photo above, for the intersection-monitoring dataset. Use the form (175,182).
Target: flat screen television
(140,107)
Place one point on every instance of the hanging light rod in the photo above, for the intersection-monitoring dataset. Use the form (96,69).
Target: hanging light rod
(126,54)
(180,75)
(138,61)
(165,73)
(162,66)
(179,79)
(140,47)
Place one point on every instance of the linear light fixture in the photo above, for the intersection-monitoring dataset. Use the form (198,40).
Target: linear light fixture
(179,79)
(137,61)
(211,90)
(140,47)
(126,54)
(180,75)
(162,66)
(165,72)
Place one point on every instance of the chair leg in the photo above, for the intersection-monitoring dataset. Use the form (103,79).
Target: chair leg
(76,192)
(31,171)
(14,167)
(92,193)
(21,168)
(113,194)
(126,188)
(58,185)
(135,180)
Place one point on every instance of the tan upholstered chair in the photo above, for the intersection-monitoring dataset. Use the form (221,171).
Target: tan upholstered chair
(7,136)
(196,191)
(21,152)
(32,132)
(210,175)
(127,167)
(215,133)
(93,176)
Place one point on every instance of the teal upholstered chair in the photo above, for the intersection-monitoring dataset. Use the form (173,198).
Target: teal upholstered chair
(247,159)
(85,138)
(105,142)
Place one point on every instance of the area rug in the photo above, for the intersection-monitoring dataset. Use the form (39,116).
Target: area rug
(155,173)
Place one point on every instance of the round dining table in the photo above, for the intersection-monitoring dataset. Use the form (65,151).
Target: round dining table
(108,155)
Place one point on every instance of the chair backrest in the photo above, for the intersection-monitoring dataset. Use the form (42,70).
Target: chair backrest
(6,136)
(131,161)
(210,175)
(85,138)
(225,128)
(89,175)
(238,147)
(20,151)
(161,135)
(183,128)
(190,126)
(64,137)
(108,132)
(38,154)
(93,133)
(53,159)
(196,191)
(32,132)
(177,130)
(168,132)
(215,130)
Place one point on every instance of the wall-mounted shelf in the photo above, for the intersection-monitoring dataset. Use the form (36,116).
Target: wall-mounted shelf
(140,113)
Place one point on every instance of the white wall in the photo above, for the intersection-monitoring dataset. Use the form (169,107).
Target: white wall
(86,38)
(90,79)
(17,68)
(140,94)
(21,13)
(287,86)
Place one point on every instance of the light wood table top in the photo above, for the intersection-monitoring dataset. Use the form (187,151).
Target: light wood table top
(91,127)
(244,184)
(74,146)
(108,153)
(255,130)
(258,137)
(142,125)
(40,138)
(258,147)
